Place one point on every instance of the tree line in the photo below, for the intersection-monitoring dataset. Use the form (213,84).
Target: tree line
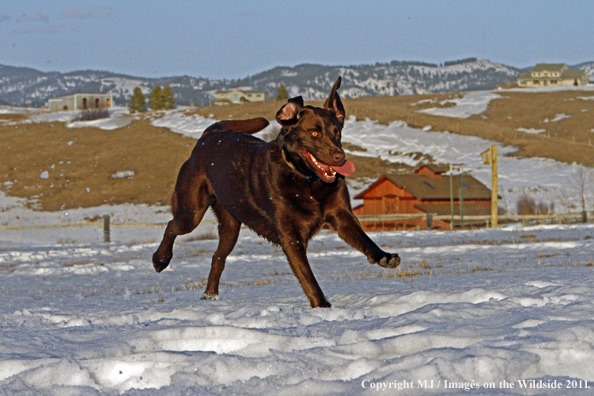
(159,99)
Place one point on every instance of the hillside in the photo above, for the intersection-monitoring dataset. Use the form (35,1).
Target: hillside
(137,162)
(25,86)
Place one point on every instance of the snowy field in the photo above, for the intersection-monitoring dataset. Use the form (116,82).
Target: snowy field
(488,306)
(506,311)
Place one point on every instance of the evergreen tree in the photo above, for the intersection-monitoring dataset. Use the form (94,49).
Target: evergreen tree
(156,98)
(137,101)
(282,93)
(168,97)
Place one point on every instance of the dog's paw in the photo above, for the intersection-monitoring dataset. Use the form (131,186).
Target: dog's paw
(391,260)
(322,304)
(160,264)
(209,296)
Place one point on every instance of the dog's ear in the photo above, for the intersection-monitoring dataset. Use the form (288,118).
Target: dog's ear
(334,104)
(287,115)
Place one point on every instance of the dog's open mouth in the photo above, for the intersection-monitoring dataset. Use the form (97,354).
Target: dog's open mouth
(327,173)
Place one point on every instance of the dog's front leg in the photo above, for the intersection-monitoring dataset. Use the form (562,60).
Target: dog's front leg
(295,250)
(349,229)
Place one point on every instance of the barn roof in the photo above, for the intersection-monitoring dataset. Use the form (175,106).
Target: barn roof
(427,188)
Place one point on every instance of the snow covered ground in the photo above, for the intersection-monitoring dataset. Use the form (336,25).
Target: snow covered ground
(495,311)
(546,180)
(486,306)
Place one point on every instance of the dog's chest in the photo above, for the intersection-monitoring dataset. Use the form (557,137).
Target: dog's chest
(306,198)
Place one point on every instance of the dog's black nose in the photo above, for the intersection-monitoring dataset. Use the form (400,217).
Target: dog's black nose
(338,157)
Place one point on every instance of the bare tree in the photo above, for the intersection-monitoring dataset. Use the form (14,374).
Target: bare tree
(583,182)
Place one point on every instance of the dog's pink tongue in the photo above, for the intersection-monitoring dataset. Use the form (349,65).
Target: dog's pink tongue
(347,169)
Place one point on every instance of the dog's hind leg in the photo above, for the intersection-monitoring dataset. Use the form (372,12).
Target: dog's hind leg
(228,234)
(189,203)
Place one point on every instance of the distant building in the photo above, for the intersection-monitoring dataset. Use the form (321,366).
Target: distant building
(425,191)
(552,74)
(78,102)
(239,96)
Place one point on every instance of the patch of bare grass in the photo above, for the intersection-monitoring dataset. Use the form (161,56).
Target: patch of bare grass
(70,168)
(13,117)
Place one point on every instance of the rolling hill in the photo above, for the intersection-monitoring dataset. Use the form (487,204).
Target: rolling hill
(30,87)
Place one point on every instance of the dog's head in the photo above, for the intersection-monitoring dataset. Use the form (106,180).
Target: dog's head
(311,136)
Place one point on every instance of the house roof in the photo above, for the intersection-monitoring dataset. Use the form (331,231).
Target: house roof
(573,73)
(566,74)
(549,67)
(242,91)
(81,94)
(427,188)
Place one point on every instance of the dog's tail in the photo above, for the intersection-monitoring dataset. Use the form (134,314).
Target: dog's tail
(242,126)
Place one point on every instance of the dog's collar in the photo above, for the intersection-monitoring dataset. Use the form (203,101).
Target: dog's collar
(287,161)
(292,166)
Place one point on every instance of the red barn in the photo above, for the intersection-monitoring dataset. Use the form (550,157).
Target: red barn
(425,191)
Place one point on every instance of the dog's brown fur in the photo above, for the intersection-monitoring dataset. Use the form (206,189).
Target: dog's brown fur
(272,188)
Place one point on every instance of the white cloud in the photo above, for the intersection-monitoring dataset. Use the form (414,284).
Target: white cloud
(246,14)
(33,16)
(51,28)
(100,12)
(21,32)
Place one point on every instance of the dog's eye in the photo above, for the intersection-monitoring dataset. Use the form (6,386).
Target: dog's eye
(314,133)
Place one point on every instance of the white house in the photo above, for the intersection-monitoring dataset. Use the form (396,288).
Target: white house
(239,96)
(81,102)
(552,74)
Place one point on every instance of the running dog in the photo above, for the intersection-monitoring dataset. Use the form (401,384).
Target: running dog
(284,190)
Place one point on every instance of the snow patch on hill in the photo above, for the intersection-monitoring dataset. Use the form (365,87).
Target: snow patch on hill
(470,104)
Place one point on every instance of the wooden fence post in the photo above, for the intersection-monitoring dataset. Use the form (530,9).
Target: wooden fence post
(106,233)
(429,221)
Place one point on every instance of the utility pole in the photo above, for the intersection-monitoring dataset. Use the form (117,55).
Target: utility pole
(490,158)
(459,168)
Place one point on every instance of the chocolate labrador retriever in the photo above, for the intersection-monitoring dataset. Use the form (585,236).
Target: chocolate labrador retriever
(283,190)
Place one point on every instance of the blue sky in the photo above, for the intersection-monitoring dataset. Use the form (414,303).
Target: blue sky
(234,39)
